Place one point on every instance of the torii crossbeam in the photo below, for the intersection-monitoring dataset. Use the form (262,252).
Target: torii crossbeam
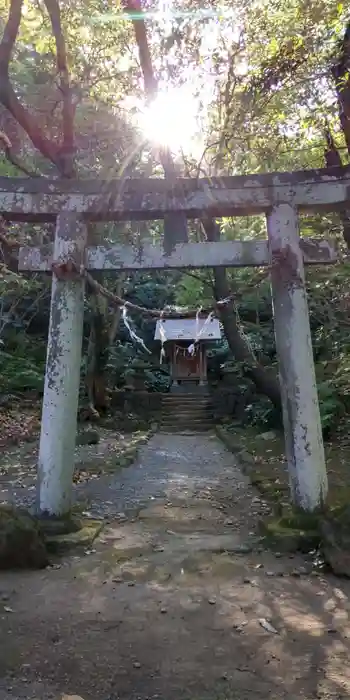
(279,196)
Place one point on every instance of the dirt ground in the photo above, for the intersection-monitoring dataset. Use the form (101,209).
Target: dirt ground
(177,599)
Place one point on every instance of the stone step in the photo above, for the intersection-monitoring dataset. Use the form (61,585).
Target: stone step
(185,429)
(186,421)
(185,404)
(185,396)
(182,404)
(182,413)
(200,415)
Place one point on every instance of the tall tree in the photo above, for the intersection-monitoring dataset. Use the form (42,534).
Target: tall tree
(57,107)
(265,383)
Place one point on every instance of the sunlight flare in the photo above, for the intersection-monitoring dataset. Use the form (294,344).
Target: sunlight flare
(171,120)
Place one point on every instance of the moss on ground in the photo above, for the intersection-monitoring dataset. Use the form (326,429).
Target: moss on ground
(267,469)
(22,543)
(290,529)
(291,534)
(80,538)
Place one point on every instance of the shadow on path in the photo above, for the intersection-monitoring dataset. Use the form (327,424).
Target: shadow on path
(178,601)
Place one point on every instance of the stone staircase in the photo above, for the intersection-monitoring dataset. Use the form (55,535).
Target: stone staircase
(186,412)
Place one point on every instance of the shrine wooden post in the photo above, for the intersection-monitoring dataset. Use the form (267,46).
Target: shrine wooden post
(280,196)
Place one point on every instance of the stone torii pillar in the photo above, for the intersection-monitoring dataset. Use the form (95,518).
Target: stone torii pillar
(62,377)
(301,415)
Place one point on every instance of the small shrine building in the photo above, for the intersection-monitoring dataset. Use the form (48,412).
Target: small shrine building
(185,342)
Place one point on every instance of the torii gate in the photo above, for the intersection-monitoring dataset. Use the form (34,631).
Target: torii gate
(279,196)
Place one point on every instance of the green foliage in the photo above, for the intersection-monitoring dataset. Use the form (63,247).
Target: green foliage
(264,107)
(19,373)
(129,367)
(331,406)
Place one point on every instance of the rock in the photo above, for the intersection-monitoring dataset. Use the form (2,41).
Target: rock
(121,517)
(298,532)
(240,549)
(87,437)
(22,543)
(335,529)
(270,435)
(245,456)
(266,625)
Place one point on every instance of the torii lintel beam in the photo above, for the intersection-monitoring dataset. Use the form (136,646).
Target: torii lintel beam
(42,199)
(184,255)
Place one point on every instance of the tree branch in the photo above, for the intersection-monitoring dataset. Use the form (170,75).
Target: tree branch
(67,149)
(175,225)
(134,9)
(7,146)
(341,76)
(118,302)
(10,33)
(8,96)
(206,281)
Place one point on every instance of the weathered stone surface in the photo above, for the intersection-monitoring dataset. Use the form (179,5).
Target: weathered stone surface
(335,529)
(21,541)
(301,415)
(61,390)
(41,199)
(186,255)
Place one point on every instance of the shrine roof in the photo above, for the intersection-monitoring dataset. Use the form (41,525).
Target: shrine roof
(188,329)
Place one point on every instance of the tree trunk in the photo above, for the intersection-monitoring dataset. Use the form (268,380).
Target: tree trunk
(103,333)
(333,160)
(341,76)
(266,382)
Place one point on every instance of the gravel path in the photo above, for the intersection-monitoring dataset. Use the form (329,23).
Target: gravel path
(167,464)
(177,600)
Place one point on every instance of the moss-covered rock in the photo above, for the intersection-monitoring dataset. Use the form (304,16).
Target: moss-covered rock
(22,543)
(292,533)
(335,529)
(87,437)
(81,538)
(63,525)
